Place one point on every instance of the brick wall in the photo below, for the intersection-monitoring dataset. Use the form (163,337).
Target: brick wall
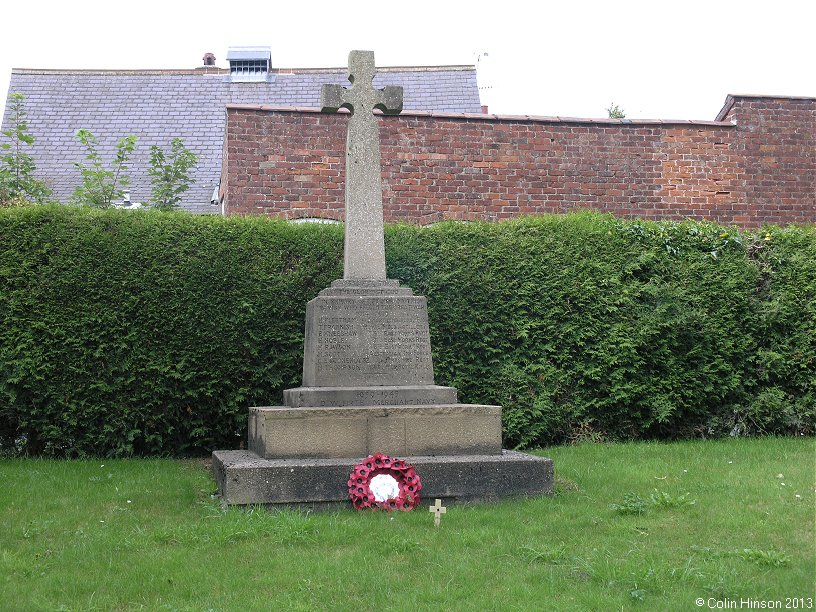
(777,142)
(755,165)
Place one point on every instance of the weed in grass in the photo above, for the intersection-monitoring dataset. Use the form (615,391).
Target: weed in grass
(662,499)
(638,594)
(635,504)
(550,555)
(770,558)
(632,504)
(562,486)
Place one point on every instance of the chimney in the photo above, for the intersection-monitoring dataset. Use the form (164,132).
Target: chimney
(484,109)
(209,59)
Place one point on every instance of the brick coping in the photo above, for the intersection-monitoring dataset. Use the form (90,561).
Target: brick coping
(495,117)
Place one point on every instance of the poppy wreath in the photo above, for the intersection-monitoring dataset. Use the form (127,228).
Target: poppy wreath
(360,480)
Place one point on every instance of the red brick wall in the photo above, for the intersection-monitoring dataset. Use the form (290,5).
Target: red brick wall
(763,169)
(778,146)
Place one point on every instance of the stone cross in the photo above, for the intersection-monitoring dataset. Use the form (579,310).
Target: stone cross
(364,245)
(438,509)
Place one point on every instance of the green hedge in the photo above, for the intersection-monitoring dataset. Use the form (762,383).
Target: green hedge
(141,333)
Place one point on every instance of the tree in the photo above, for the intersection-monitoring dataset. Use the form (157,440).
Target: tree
(17,183)
(615,112)
(169,174)
(101,186)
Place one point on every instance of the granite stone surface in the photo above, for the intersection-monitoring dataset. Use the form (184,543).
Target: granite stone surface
(244,478)
(369,396)
(367,340)
(364,247)
(354,431)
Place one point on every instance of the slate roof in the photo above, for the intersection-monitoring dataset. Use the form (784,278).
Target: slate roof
(158,105)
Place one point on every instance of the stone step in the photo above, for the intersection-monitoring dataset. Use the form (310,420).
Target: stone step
(355,431)
(245,479)
(365,288)
(369,396)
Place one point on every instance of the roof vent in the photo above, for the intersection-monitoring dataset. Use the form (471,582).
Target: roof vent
(249,64)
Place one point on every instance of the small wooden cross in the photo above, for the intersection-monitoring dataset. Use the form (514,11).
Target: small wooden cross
(438,509)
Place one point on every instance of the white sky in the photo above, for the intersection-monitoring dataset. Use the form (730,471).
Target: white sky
(658,60)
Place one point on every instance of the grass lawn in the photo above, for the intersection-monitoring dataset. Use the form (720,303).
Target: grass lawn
(632,526)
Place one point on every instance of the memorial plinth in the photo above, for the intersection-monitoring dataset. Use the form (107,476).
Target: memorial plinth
(368,382)
(368,387)
(372,334)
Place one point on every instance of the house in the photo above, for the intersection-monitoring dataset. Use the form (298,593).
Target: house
(159,105)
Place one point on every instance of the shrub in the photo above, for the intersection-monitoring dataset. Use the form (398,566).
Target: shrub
(169,174)
(140,333)
(18,187)
(146,333)
(102,186)
(585,324)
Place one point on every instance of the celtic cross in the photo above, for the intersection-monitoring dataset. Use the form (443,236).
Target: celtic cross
(364,256)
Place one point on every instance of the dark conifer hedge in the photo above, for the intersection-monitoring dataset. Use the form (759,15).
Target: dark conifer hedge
(142,333)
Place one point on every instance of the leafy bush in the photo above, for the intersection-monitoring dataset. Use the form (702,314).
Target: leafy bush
(18,187)
(102,186)
(146,333)
(586,326)
(169,174)
(150,334)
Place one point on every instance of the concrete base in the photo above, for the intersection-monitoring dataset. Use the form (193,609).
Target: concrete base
(281,432)
(245,479)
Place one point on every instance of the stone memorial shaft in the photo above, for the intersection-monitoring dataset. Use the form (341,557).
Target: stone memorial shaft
(364,246)
(365,332)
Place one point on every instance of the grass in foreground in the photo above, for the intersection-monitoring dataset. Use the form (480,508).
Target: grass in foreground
(649,526)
